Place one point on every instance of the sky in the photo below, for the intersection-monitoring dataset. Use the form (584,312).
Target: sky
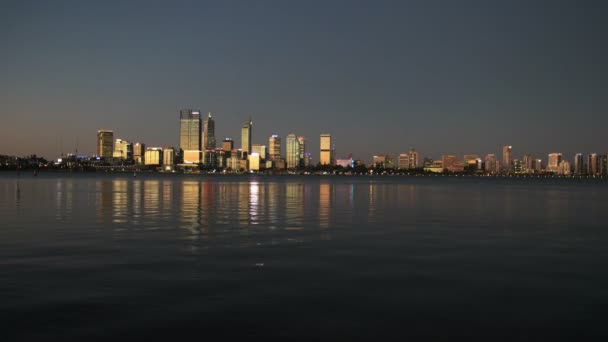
(443,77)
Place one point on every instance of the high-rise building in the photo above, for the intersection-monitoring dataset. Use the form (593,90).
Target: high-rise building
(139,150)
(302,153)
(123,149)
(579,168)
(105,143)
(564,168)
(491,166)
(227,144)
(208,136)
(292,153)
(274,147)
(538,165)
(260,150)
(383,161)
(527,164)
(404,161)
(246,136)
(326,157)
(154,156)
(593,164)
(518,166)
(553,162)
(190,136)
(507,158)
(413,159)
(168,156)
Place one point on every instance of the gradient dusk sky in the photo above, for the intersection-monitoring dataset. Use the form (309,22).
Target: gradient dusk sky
(441,76)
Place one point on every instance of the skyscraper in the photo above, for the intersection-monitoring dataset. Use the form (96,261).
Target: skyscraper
(274,147)
(527,164)
(578,164)
(507,158)
(553,162)
(227,145)
(292,152)
(259,149)
(413,159)
(190,135)
(593,164)
(208,136)
(139,150)
(246,136)
(302,144)
(105,143)
(325,157)
(404,161)
(123,149)
(491,165)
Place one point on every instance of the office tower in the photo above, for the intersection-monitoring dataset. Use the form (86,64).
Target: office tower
(105,143)
(592,164)
(190,136)
(246,136)
(553,162)
(507,158)
(452,164)
(579,168)
(491,165)
(227,144)
(292,152)
(254,161)
(168,156)
(274,147)
(302,153)
(259,149)
(527,164)
(603,165)
(325,157)
(564,168)
(139,150)
(404,161)
(154,156)
(307,159)
(471,162)
(538,165)
(208,136)
(383,161)
(413,159)
(518,166)
(123,149)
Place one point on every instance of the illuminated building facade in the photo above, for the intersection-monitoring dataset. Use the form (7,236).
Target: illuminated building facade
(246,136)
(292,151)
(208,135)
(507,158)
(274,147)
(326,157)
(553,162)
(105,143)
(190,136)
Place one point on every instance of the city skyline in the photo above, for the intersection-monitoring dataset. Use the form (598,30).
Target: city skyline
(453,78)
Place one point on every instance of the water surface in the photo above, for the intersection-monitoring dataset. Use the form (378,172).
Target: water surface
(158,257)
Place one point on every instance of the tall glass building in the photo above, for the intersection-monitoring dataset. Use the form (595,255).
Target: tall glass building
(246,136)
(292,151)
(105,143)
(208,142)
(190,135)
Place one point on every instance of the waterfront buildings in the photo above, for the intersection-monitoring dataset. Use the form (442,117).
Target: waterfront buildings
(246,136)
(593,164)
(564,168)
(227,144)
(259,149)
(105,143)
(190,136)
(528,164)
(325,156)
(302,151)
(383,161)
(168,158)
(553,162)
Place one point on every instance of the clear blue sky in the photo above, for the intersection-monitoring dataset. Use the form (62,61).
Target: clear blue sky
(441,76)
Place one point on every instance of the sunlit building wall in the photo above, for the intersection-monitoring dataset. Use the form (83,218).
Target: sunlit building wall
(404,161)
(139,150)
(292,151)
(325,157)
(592,164)
(553,162)
(105,143)
(227,144)
(190,135)
(123,149)
(246,136)
(579,167)
(564,168)
(527,164)
(168,156)
(254,162)
(259,149)
(154,156)
(490,164)
(208,134)
(274,147)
